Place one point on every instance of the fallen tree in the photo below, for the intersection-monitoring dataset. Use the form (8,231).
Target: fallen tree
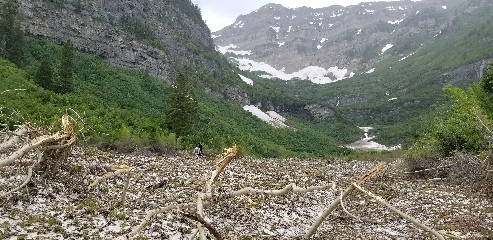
(51,149)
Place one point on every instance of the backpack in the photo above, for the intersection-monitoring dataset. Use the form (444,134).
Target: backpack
(196,150)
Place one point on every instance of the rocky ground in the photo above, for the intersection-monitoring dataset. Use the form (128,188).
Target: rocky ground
(63,208)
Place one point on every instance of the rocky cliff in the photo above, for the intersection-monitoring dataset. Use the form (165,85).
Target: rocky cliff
(332,43)
(152,35)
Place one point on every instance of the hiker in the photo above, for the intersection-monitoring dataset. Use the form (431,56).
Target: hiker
(198,150)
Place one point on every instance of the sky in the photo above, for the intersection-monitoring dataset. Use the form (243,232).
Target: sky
(221,13)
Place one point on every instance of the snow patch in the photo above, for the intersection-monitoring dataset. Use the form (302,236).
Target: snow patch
(387,47)
(314,73)
(240,24)
(275,115)
(245,79)
(227,49)
(276,121)
(406,57)
(396,21)
(366,143)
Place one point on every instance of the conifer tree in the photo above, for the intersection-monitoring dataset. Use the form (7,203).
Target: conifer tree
(11,36)
(487,80)
(44,75)
(65,75)
(184,108)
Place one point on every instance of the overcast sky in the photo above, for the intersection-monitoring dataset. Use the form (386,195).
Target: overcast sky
(221,13)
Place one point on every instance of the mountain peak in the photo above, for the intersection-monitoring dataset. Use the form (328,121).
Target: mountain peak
(273,6)
(327,44)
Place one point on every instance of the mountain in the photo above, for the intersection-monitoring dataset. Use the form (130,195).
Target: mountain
(129,52)
(157,36)
(380,64)
(333,43)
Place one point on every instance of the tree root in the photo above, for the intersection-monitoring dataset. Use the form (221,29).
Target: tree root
(51,150)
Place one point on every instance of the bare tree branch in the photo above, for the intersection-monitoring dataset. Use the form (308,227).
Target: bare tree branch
(190,207)
(34,144)
(109,175)
(207,225)
(429,169)
(484,125)
(400,213)
(221,162)
(15,139)
(345,210)
(337,201)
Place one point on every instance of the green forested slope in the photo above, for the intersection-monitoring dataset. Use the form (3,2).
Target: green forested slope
(124,109)
(417,81)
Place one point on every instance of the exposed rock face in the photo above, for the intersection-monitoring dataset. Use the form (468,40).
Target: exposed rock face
(319,112)
(140,34)
(338,40)
(466,73)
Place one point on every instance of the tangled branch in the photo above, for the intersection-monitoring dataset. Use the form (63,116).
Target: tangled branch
(51,149)
(338,200)
(400,213)
(209,199)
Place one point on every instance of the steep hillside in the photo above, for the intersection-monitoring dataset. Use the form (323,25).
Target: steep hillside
(398,72)
(127,109)
(403,83)
(157,36)
(332,43)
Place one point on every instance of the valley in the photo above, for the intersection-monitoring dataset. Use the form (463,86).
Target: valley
(375,119)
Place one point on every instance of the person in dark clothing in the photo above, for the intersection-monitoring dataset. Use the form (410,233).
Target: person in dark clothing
(198,150)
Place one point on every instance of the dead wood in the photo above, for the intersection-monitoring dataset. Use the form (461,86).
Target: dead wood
(338,200)
(16,138)
(52,149)
(217,235)
(221,162)
(428,169)
(209,199)
(400,213)
(117,170)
